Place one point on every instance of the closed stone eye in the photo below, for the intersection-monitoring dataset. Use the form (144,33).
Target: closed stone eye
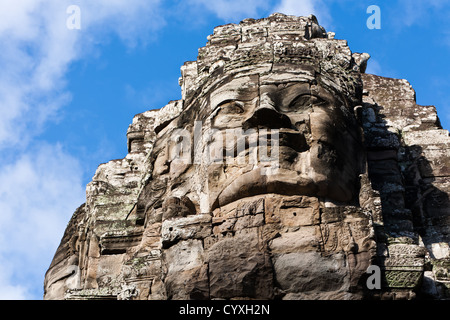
(304,103)
(231,107)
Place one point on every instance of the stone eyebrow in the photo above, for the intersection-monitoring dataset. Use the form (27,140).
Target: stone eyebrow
(238,103)
(225,102)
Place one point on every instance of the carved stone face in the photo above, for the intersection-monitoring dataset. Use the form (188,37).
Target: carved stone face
(192,213)
(319,160)
(317,145)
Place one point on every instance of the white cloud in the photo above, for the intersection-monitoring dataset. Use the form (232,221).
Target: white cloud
(40,183)
(305,8)
(38,49)
(9,291)
(412,12)
(38,194)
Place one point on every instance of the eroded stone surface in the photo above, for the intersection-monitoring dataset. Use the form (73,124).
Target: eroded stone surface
(363,179)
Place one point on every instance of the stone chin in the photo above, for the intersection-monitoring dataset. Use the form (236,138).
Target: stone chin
(283,182)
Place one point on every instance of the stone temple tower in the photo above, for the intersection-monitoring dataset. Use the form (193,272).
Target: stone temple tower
(358,177)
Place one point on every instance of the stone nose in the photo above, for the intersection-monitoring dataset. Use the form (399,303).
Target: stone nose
(267,116)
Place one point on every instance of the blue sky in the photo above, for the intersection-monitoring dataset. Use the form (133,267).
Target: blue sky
(68,96)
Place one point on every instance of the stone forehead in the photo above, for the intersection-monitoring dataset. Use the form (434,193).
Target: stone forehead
(284,47)
(278,48)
